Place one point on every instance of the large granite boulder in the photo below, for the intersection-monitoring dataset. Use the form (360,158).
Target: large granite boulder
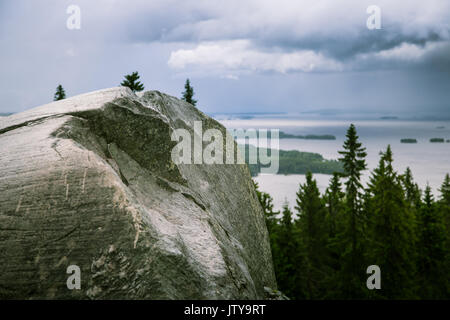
(89,181)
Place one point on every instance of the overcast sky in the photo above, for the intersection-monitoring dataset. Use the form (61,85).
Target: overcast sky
(241,55)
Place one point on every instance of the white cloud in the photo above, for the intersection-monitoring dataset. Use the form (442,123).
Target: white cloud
(404,55)
(278,22)
(408,52)
(239,56)
(287,36)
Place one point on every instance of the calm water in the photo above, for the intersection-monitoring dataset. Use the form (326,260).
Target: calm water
(429,162)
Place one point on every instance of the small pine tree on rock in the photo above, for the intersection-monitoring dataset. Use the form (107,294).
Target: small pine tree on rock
(59,94)
(188,94)
(131,81)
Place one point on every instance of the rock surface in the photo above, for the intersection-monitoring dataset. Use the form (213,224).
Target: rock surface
(89,181)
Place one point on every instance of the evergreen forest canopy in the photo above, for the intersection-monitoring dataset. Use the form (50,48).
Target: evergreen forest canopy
(322,248)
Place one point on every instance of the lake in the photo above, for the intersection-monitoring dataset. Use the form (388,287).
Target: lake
(429,162)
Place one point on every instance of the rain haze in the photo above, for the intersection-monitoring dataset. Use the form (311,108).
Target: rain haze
(241,56)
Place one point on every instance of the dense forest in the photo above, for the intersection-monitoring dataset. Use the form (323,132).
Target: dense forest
(322,249)
(295,162)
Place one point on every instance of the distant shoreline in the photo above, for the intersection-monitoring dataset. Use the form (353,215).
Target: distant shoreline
(408,140)
(284,135)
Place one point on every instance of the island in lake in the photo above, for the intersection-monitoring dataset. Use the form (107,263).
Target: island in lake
(408,140)
(437,140)
(389,118)
(284,135)
(295,162)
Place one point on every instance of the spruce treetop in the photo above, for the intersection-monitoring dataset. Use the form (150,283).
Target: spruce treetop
(353,154)
(131,81)
(188,94)
(445,190)
(60,94)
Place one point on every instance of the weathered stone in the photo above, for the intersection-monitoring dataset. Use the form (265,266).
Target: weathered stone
(89,181)
(273,294)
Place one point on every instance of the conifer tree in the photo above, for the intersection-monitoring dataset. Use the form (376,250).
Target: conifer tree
(131,81)
(432,250)
(444,208)
(391,232)
(445,191)
(188,94)
(412,191)
(266,202)
(444,204)
(313,237)
(60,94)
(352,269)
(290,260)
(334,202)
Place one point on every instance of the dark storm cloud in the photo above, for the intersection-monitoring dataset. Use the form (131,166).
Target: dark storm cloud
(337,30)
(344,48)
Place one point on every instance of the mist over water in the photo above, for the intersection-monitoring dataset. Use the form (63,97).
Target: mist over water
(428,161)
